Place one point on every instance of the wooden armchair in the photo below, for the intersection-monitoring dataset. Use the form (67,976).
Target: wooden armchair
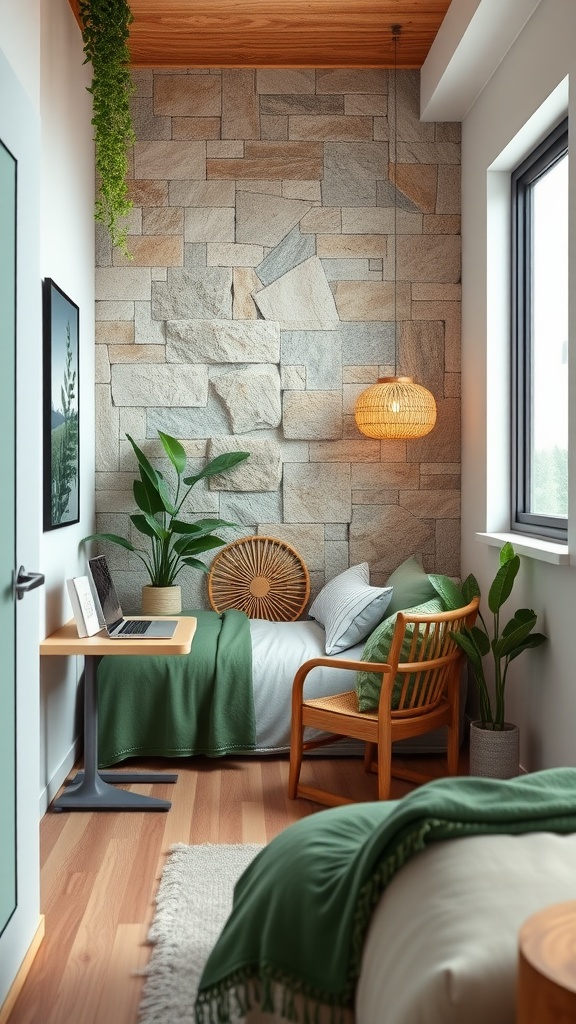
(420,692)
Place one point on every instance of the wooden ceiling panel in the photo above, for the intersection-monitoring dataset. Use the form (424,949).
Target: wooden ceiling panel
(281,33)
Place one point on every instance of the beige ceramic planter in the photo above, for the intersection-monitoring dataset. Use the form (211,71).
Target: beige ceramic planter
(495,753)
(161,600)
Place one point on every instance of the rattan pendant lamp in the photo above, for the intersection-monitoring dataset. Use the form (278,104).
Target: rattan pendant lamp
(395,407)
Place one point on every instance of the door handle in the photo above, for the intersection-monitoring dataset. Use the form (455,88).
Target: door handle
(26,581)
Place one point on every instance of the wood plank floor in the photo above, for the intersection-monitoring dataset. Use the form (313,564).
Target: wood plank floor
(100,872)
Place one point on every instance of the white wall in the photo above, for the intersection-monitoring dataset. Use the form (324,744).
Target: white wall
(67,256)
(525,98)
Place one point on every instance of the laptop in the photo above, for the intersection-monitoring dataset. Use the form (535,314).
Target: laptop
(117,627)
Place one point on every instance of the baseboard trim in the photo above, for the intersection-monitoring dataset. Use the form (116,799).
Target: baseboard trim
(18,983)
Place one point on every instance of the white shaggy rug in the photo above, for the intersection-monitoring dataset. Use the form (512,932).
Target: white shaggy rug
(193,902)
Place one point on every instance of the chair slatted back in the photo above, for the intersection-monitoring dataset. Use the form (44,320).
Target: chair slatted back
(424,658)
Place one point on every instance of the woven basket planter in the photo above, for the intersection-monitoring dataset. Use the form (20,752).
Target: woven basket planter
(495,753)
(161,600)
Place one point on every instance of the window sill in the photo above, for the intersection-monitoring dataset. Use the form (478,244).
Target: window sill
(532,547)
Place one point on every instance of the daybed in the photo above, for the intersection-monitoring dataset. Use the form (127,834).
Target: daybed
(236,698)
(404,912)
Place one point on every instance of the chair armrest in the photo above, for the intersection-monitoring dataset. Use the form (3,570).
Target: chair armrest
(347,663)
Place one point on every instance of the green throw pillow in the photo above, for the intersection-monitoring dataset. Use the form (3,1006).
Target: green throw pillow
(411,586)
(377,647)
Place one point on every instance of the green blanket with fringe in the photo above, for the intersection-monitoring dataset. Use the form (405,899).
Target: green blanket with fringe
(301,910)
(178,705)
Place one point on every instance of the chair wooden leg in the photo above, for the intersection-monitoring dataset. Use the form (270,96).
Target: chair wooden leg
(296,750)
(384,774)
(369,754)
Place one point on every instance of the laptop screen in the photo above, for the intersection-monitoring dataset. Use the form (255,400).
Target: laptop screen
(106,591)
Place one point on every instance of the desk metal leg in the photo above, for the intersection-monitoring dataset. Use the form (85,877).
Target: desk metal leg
(90,790)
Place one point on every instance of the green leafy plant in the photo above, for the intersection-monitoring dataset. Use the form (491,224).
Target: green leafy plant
(504,644)
(64,441)
(105,32)
(173,542)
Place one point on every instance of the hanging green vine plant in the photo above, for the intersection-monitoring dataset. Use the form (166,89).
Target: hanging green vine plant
(105,33)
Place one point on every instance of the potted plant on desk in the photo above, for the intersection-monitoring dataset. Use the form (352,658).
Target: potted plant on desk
(173,542)
(494,742)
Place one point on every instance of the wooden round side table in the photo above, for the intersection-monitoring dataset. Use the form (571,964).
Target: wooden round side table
(547,966)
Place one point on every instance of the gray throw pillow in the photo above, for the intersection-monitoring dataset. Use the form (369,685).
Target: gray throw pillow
(349,608)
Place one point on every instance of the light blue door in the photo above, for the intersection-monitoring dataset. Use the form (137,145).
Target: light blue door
(8,879)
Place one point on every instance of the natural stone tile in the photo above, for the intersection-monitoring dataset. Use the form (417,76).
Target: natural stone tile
(306,190)
(300,300)
(428,153)
(393,451)
(442,444)
(203,422)
(440,469)
(101,365)
(350,395)
(306,538)
(448,547)
(137,353)
(240,110)
(349,428)
(233,255)
(145,124)
(430,483)
(152,251)
(187,95)
(330,128)
(452,385)
(350,80)
(263,188)
(115,501)
(113,482)
(359,375)
(418,182)
(433,258)
(444,504)
(133,422)
(222,341)
(316,493)
(394,475)
(191,129)
(441,225)
(109,333)
(198,293)
(162,220)
(373,104)
(381,129)
(285,80)
(102,246)
(448,199)
(319,352)
(114,310)
(273,128)
(388,195)
(351,171)
(294,451)
(266,220)
(250,509)
(202,193)
(147,331)
(410,128)
(336,558)
(366,343)
(367,220)
(261,472)
(421,353)
(353,269)
(209,224)
(251,397)
(106,430)
(170,160)
(346,246)
(292,250)
(300,105)
(232,147)
(372,300)
(266,167)
(375,496)
(159,385)
(336,531)
(147,193)
(143,81)
(449,312)
(345,451)
(293,378)
(123,283)
(244,282)
(327,220)
(435,292)
(448,131)
(376,264)
(378,536)
(312,414)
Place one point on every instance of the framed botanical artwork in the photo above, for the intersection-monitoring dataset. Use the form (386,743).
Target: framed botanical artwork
(61,491)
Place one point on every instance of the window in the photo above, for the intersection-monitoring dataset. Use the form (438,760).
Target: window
(540,340)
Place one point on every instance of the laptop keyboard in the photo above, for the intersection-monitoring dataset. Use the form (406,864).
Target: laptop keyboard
(137,626)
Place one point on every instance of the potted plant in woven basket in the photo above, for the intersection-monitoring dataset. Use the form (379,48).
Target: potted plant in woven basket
(494,742)
(172,541)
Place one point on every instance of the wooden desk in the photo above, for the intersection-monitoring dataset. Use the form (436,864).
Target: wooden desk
(547,966)
(91,790)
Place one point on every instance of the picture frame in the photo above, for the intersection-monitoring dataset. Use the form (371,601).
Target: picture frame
(61,433)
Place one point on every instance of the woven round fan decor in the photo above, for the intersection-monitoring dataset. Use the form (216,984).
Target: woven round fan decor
(262,576)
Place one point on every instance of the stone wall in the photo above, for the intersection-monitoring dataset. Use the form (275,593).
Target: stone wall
(260,302)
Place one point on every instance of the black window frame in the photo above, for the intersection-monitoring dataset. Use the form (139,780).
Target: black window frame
(542,159)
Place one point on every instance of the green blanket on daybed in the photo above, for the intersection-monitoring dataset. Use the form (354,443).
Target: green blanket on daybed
(177,705)
(302,907)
